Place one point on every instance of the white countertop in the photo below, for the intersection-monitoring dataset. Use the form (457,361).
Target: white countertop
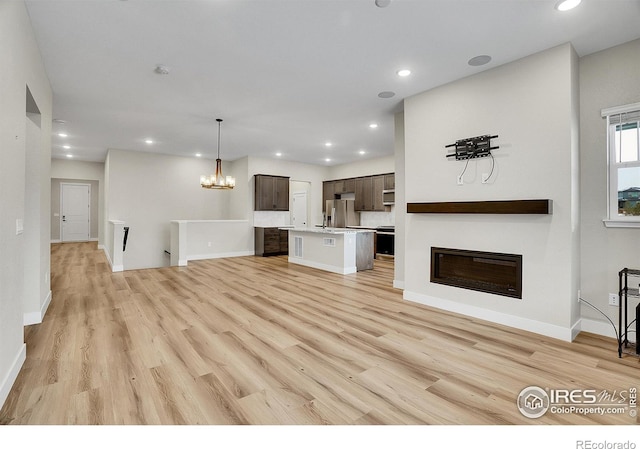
(327,230)
(279,227)
(209,221)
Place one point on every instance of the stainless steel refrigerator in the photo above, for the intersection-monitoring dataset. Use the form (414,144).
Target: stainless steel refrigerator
(341,213)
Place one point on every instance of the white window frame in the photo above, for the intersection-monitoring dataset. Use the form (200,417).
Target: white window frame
(614,220)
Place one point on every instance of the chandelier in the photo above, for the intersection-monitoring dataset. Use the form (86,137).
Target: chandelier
(218,181)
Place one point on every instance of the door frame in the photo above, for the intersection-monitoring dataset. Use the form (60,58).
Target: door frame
(62,184)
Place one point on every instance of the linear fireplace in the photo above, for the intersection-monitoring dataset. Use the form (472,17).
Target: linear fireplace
(496,273)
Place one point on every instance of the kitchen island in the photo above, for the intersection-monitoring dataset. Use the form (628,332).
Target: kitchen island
(338,250)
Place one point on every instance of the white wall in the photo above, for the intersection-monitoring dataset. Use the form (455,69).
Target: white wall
(65,169)
(105,225)
(607,78)
(37,293)
(366,167)
(147,191)
(21,66)
(210,239)
(237,199)
(400,207)
(530,104)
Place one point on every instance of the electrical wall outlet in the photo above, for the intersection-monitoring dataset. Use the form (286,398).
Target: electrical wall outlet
(579,296)
(614,299)
(460,180)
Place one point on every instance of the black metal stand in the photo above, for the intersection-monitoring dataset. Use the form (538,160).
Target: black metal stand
(624,292)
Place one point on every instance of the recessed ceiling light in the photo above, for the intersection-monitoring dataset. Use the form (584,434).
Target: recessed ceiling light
(362,152)
(386,94)
(278,154)
(404,72)
(148,141)
(66,147)
(327,160)
(383,3)
(69,155)
(373,125)
(328,144)
(198,154)
(566,5)
(62,135)
(479,60)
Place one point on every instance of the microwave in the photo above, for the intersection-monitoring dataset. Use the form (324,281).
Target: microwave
(388,197)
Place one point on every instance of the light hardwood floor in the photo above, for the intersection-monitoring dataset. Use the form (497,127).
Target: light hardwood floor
(254,340)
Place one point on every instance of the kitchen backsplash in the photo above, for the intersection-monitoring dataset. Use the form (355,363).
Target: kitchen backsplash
(375,219)
(267,219)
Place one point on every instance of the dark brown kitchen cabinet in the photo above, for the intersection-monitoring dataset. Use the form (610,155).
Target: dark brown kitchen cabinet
(328,192)
(369,193)
(284,241)
(344,186)
(389,181)
(271,193)
(271,241)
(363,197)
(378,187)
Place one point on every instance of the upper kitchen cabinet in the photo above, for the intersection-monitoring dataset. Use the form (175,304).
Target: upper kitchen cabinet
(364,194)
(390,181)
(330,189)
(344,186)
(368,190)
(272,193)
(328,192)
(369,193)
(378,187)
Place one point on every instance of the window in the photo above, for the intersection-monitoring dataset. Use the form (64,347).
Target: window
(623,143)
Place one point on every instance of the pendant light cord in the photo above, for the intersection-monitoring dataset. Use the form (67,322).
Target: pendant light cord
(219,120)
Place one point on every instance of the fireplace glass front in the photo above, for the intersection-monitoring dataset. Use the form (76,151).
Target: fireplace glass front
(496,273)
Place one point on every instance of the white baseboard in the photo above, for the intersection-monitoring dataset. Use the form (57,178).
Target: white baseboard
(538,327)
(321,266)
(220,255)
(398,284)
(101,247)
(12,375)
(575,330)
(114,268)
(37,317)
(603,328)
(60,241)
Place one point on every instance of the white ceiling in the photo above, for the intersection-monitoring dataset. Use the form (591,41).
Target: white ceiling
(285,75)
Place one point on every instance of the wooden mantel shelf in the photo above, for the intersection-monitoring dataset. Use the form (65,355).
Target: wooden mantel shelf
(482,207)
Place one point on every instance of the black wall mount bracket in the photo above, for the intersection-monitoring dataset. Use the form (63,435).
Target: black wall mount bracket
(472,147)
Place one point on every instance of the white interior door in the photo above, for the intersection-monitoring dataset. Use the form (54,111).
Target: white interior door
(299,211)
(74,205)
